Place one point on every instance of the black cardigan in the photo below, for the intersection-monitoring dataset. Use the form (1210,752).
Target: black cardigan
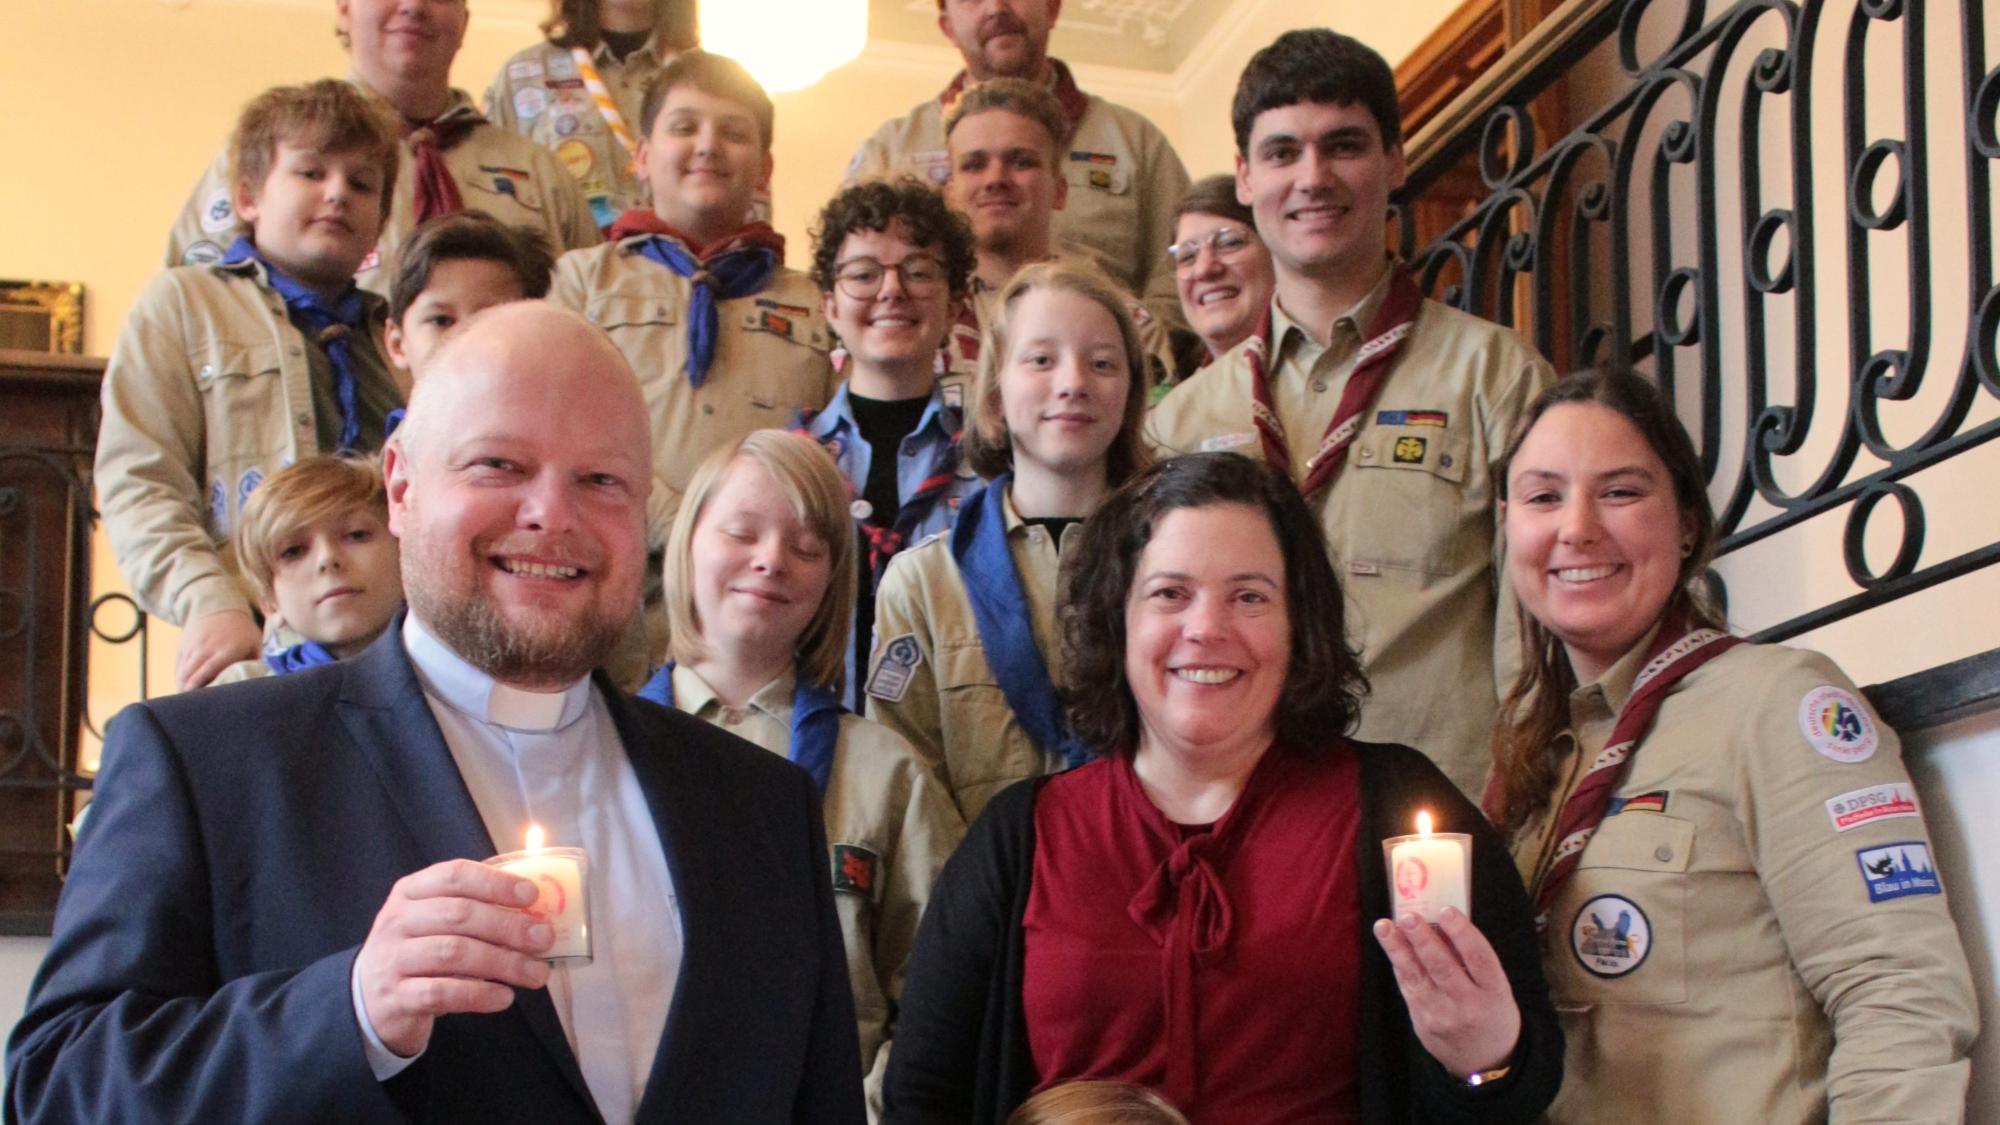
(961,1037)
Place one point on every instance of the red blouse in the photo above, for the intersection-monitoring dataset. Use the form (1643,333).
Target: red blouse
(1220,966)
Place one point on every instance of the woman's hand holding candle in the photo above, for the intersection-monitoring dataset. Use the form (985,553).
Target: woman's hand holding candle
(1459,1000)
(451,938)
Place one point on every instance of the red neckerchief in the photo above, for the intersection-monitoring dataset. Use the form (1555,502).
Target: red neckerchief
(1061,83)
(1677,650)
(1371,367)
(436,192)
(641,221)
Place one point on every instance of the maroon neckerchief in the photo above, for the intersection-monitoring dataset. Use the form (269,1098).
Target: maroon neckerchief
(1061,83)
(1393,322)
(641,221)
(1677,650)
(436,193)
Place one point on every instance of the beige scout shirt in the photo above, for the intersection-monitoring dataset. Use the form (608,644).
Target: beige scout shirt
(497,171)
(1759,972)
(209,390)
(539,93)
(770,354)
(1411,522)
(951,708)
(890,825)
(1125,184)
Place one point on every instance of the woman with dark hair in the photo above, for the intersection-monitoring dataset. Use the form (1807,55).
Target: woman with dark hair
(1741,919)
(1192,911)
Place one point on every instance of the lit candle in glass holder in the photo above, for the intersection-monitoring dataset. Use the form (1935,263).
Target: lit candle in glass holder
(1429,871)
(561,898)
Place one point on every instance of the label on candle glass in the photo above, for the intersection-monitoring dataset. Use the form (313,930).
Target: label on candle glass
(561,899)
(1429,873)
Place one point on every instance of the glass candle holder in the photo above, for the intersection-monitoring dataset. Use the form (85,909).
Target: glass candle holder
(1428,872)
(562,899)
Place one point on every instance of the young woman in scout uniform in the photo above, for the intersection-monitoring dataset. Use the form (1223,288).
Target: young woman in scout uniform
(965,623)
(1740,912)
(760,594)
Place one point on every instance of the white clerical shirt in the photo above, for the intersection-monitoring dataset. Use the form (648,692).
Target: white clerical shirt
(555,759)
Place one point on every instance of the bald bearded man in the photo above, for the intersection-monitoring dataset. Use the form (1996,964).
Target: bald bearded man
(276,910)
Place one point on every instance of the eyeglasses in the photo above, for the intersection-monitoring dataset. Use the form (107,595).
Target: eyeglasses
(1227,241)
(861,278)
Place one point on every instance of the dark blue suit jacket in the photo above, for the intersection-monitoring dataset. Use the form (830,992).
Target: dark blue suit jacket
(243,839)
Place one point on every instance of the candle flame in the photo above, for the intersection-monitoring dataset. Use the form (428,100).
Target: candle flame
(535,837)
(1423,825)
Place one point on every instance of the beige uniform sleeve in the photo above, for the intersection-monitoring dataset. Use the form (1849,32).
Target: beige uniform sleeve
(150,465)
(871,160)
(199,219)
(930,832)
(912,712)
(1890,974)
(568,287)
(1167,184)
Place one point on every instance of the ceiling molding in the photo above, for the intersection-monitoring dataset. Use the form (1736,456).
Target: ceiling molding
(1219,47)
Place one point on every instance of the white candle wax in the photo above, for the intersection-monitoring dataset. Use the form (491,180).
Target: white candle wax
(1429,872)
(561,899)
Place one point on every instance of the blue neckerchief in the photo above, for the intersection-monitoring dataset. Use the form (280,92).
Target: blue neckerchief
(815,722)
(728,275)
(299,657)
(1000,609)
(330,325)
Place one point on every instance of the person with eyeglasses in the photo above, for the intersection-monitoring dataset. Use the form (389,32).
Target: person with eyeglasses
(1389,410)
(894,267)
(1221,268)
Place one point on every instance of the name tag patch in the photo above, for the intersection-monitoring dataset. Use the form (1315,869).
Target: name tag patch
(891,679)
(1898,870)
(1611,936)
(1877,802)
(1836,725)
(1222,443)
(854,869)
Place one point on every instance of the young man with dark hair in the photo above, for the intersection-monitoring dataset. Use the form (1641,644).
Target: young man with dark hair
(724,338)
(894,268)
(577,93)
(1391,411)
(452,158)
(1123,175)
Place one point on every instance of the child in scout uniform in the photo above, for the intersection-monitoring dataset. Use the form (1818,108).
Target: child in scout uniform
(724,338)
(1005,140)
(893,263)
(1740,909)
(451,157)
(760,575)
(226,372)
(1123,175)
(964,661)
(578,92)
(1388,409)
(452,267)
(314,544)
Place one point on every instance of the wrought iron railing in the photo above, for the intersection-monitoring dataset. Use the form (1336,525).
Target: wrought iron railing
(1758,207)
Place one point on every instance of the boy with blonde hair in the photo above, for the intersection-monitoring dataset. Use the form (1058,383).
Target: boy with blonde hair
(314,545)
(226,372)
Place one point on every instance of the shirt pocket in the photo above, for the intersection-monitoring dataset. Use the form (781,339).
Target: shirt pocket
(1407,511)
(245,420)
(1619,933)
(982,740)
(613,312)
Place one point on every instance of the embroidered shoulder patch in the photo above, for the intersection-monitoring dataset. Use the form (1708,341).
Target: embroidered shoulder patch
(1877,802)
(890,681)
(1898,870)
(1836,725)
(854,870)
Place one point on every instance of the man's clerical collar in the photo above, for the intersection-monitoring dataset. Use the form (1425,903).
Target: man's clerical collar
(449,677)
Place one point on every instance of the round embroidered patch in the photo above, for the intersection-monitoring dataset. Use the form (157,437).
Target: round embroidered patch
(1836,725)
(1610,936)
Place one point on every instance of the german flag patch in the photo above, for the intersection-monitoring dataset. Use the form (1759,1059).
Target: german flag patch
(855,869)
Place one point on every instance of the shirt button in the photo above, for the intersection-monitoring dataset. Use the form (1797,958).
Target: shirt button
(294,349)
(1664,854)
(305,420)
(1367,455)
(1445,461)
(207,369)
(1319,385)
(708,408)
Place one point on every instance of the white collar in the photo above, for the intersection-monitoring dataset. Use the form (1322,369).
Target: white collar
(447,676)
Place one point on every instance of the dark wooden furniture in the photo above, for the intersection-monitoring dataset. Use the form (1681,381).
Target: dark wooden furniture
(48,435)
